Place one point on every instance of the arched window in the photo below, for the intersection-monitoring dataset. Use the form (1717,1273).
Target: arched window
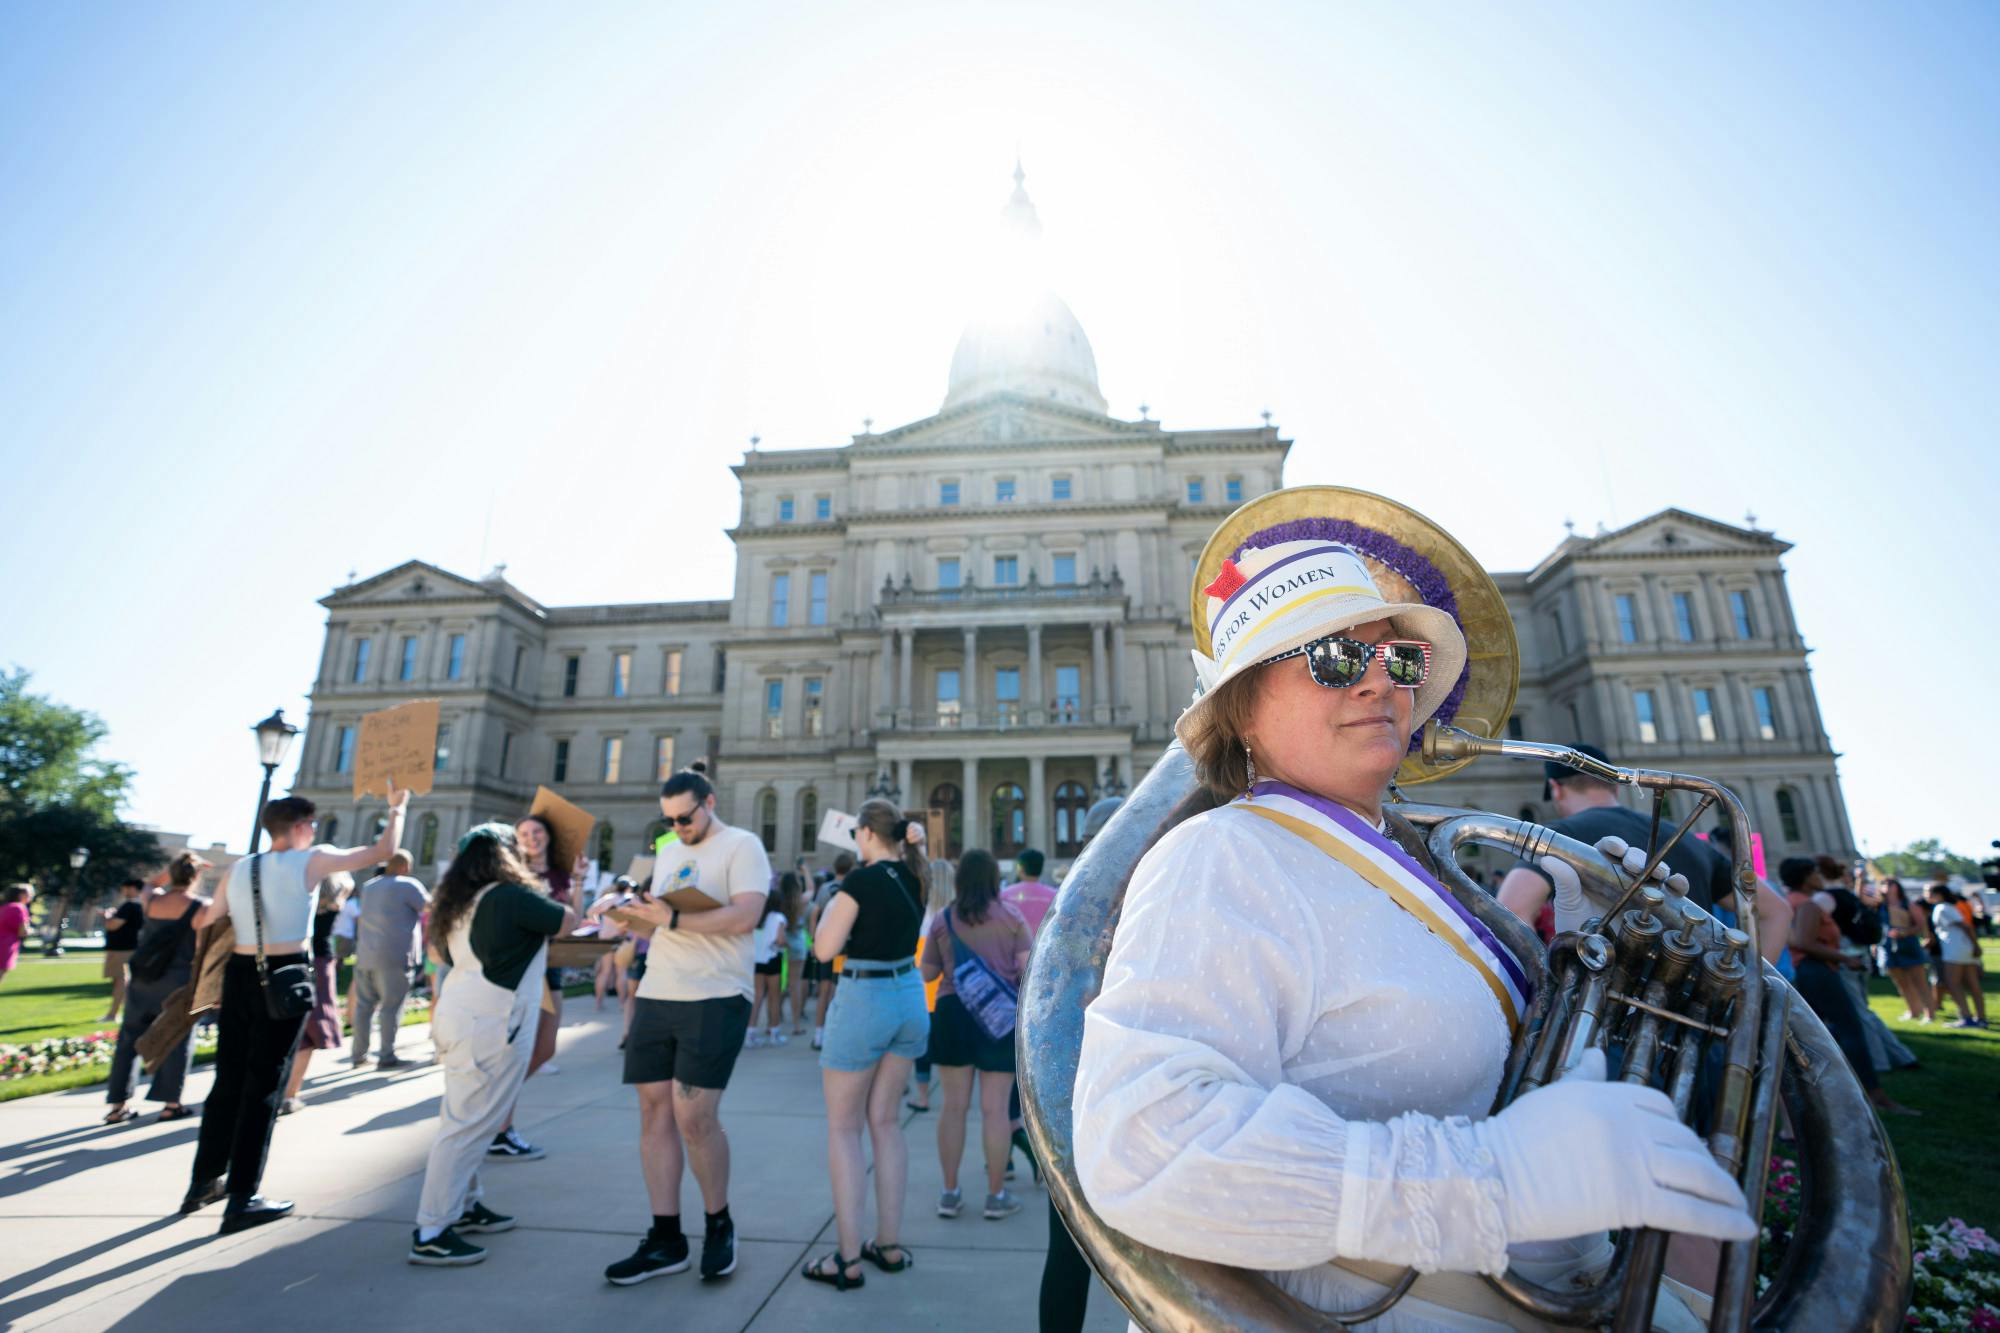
(809,822)
(654,832)
(1788,815)
(376,826)
(427,844)
(604,839)
(329,829)
(1010,819)
(1072,803)
(767,819)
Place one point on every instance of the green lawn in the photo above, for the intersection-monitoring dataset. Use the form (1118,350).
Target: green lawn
(54,997)
(1946,1154)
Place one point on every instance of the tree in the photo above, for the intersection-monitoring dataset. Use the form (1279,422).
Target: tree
(1924,858)
(56,795)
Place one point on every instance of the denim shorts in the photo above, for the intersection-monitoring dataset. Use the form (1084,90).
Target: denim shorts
(875,1016)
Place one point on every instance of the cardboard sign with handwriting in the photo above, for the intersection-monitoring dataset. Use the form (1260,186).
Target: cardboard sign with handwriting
(397,743)
(572,825)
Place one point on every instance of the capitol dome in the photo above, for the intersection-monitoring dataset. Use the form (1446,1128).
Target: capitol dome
(1025,340)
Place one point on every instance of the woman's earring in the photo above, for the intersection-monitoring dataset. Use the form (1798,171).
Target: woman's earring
(1249,767)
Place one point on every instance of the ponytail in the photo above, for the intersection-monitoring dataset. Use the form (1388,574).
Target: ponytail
(905,835)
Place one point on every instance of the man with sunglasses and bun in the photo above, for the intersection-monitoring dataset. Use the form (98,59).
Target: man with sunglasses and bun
(688,1024)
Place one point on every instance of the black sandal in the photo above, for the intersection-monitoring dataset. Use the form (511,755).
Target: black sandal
(175,1113)
(118,1115)
(873,1254)
(838,1279)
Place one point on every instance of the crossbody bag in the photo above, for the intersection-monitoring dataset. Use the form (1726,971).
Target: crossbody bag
(983,991)
(288,990)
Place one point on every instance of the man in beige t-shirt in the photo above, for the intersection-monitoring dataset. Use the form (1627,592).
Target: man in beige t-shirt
(688,1024)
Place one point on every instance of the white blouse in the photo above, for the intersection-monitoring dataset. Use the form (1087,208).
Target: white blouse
(1279,1069)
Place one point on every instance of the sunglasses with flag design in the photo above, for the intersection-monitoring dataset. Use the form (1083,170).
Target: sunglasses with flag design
(1338,662)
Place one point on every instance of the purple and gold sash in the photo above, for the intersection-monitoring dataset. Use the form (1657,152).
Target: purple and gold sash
(1348,839)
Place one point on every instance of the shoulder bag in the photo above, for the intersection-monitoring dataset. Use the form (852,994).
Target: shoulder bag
(288,990)
(983,991)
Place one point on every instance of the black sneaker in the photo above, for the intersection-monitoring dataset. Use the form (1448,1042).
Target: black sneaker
(656,1256)
(444,1250)
(507,1146)
(481,1218)
(718,1251)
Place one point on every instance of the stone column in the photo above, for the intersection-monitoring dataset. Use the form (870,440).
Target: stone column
(885,702)
(1038,802)
(1099,695)
(1158,710)
(1098,766)
(1117,669)
(973,804)
(1610,717)
(906,778)
(968,680)
(903,672)
(1036,716)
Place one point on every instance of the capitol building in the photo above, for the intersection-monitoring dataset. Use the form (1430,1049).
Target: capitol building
(985,613)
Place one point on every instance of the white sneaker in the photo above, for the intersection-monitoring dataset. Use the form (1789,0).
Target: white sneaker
(819,1038)
(549,1067)
(776,1038)
(753,1041)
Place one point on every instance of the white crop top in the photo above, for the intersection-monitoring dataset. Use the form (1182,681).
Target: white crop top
(288,900)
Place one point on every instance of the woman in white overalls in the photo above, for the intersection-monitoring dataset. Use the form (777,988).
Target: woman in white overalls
(494,927)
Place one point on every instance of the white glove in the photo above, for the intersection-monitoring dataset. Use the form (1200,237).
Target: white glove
(1573,908)
(1583,1155)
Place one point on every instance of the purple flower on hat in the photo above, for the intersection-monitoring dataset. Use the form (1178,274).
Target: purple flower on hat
(1431,585)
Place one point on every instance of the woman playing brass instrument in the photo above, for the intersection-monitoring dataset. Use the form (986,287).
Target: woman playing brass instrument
(1299,1028)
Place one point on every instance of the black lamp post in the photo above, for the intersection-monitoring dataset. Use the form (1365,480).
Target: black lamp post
(274,740)
(886,788)
(52,940)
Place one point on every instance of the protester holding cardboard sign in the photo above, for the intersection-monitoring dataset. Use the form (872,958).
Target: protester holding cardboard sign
(269,898)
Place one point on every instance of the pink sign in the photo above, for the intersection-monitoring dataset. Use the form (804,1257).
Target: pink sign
(1756,853)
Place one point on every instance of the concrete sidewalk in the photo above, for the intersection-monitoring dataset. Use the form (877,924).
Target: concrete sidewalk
(90,1239)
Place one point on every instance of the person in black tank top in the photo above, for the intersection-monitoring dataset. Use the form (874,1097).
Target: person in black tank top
(875,1030)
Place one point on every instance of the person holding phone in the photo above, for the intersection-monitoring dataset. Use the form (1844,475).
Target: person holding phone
(689,1023)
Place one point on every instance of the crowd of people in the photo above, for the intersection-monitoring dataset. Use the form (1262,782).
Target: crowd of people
(907,969)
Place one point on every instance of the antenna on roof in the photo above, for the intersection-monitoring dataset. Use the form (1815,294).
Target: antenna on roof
(1267,416)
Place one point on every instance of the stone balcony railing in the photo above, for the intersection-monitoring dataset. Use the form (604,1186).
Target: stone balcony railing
(1031,593)
(1009,716)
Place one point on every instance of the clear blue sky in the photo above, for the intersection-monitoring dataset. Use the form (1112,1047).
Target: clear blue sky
(288,292)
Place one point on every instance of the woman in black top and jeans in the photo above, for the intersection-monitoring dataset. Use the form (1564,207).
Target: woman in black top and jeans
(875,1030)
(162,962)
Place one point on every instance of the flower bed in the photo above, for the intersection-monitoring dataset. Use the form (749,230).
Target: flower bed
(1957,1284)
(53,1054)
(1958,1279)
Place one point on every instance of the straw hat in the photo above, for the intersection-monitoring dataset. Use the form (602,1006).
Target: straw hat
(1308,561)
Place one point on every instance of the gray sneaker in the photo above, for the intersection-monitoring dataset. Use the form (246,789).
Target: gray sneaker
(1001,1205)
(950,1203)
